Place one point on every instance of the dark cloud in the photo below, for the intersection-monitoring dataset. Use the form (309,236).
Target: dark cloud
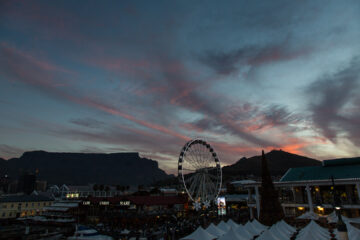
(335,105)
(87,122)
(278,115)
(226,63)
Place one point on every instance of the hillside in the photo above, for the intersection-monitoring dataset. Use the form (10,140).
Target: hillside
(278,161)
(83,168)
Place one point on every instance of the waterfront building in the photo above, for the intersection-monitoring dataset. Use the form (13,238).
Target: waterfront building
(14,206)
(314,189)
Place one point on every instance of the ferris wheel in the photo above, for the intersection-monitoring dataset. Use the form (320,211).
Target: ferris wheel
(199,171)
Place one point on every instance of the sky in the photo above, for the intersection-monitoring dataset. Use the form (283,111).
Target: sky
(148,76)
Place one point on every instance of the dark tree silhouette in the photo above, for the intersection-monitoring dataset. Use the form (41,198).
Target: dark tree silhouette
(95,187)
(270,208)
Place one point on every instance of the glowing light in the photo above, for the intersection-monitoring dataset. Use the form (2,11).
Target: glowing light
(320,208)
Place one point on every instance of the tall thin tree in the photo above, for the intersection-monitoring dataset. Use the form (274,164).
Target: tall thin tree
(270,207)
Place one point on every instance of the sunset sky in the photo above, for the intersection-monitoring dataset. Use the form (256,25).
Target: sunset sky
(147,76)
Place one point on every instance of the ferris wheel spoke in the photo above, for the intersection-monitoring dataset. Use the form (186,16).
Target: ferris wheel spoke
(200,187)
(196,154)
(193,185)
(198,159)
(213,177)
(212,185)
(189,179)
(192,161)
(201,156)
(209,183)
(187,169)
(193,157)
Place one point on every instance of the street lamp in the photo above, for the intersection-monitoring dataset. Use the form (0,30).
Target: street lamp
(341,226)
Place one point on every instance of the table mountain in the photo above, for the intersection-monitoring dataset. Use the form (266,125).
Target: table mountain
(84,168)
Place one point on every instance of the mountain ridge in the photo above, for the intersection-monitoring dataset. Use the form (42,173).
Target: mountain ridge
(84,168)
(278,161)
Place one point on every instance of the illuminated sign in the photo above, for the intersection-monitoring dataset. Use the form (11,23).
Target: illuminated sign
(104,203)
(124,203)
(221,204)
(86,202)
(72,195)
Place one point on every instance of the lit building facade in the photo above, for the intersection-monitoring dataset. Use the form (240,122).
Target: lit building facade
(14,206)
(314,189)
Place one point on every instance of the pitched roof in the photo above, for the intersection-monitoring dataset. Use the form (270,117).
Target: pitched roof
(338,169)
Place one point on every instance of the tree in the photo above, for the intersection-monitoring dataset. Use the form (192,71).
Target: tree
(270,207)
(95,187)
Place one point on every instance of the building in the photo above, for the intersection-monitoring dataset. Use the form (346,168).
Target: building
(315,189)
(14,206)
(4,184)
(91,190)
(27,183)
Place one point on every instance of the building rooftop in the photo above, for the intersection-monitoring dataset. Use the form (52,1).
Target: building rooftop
(339,169)
(144,200)
(25,198)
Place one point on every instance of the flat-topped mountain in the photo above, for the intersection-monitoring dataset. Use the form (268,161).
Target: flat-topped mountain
(83,168)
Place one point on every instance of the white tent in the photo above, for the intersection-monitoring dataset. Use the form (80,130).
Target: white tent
(267,235)
(251,229)
(309,215)
(333,218)
(313,231)
(223,226)
(232,224)
(231,235)
(241,230)
(286,226)
(200,234)
(311,235)
(258,225)
(214,230)
(353,232)
(279,233)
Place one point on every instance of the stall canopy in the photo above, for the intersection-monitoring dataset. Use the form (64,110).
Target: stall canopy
(223,226)
(309,215)
(231,235)
(212,229)
(200,234)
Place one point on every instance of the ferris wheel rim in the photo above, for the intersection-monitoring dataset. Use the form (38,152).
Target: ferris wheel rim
(217,185)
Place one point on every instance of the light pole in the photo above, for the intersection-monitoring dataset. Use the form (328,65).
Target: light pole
(341,226)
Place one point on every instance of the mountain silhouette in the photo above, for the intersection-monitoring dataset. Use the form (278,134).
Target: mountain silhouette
(84,168)
(278,161)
